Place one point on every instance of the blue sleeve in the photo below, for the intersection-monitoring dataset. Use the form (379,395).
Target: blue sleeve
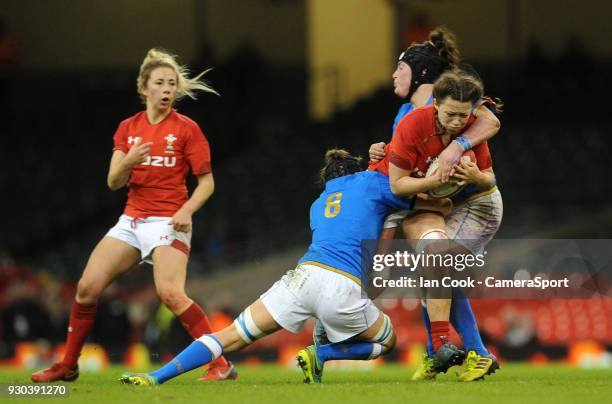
(311,214)
(387,196)
(404,110)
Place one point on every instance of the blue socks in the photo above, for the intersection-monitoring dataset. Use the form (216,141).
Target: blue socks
(463,320)
(195,355)
(348,350)
(430,350)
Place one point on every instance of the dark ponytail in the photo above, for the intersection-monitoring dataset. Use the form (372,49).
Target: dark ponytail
(445,43)
(432,58)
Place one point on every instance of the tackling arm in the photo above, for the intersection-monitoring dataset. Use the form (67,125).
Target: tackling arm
(484,127)
(402,184)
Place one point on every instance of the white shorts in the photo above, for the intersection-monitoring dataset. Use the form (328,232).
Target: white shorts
(312,291)
(146,234)
(474,222)
(394,219)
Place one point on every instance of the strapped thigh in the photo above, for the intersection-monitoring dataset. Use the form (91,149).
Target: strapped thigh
(248,331)
(381,343)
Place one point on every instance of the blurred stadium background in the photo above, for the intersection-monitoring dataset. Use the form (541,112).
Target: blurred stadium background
(296,77)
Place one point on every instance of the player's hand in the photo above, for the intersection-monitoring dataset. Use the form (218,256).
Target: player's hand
(448,159)
(377,151)
(436,179)
(181,221)
(138,153)
(467,172)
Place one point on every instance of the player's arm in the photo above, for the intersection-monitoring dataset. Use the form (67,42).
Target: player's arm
(420,202)
(182,218)
(121,164)
(484,127)
(402,184)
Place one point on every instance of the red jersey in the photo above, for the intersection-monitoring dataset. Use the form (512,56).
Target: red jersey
(382,166)
(157,186)
(415,144)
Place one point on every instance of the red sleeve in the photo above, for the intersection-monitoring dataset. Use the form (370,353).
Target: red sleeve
(403,146)
(483,156)
(197,152)
(120,138)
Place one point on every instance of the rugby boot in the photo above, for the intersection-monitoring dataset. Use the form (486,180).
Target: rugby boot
(56,373)
(138,379)
(447,356)
(218,371)
(309,363)
(426,370)
(478,366)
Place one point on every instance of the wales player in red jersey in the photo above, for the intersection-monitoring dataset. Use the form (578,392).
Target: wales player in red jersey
(154,152)
(476,214)
(420,137)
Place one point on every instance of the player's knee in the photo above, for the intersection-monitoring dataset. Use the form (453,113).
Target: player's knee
(173,297)
(88,291)
(246,327)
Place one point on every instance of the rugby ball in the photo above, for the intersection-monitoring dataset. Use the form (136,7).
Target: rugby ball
(451,187)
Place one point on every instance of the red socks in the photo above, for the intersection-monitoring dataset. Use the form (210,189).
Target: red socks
(196,323)
(82,317)
(439,333)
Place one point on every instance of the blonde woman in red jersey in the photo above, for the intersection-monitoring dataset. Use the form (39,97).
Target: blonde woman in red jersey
(153,153)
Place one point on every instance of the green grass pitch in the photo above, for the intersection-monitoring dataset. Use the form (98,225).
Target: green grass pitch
(514,383)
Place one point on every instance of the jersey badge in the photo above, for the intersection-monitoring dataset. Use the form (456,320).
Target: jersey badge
(170,138)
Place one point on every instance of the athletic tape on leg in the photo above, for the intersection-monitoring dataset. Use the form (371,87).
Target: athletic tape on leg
(381,343)
(377,350)
(213,345)
(386,332)
(430,237)
(246,327)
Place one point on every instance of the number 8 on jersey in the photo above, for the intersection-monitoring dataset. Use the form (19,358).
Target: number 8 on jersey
(332,205)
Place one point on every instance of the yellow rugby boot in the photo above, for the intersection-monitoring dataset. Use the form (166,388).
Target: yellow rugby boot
(138,379)
(426,370)
(309,363)
(478,366)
